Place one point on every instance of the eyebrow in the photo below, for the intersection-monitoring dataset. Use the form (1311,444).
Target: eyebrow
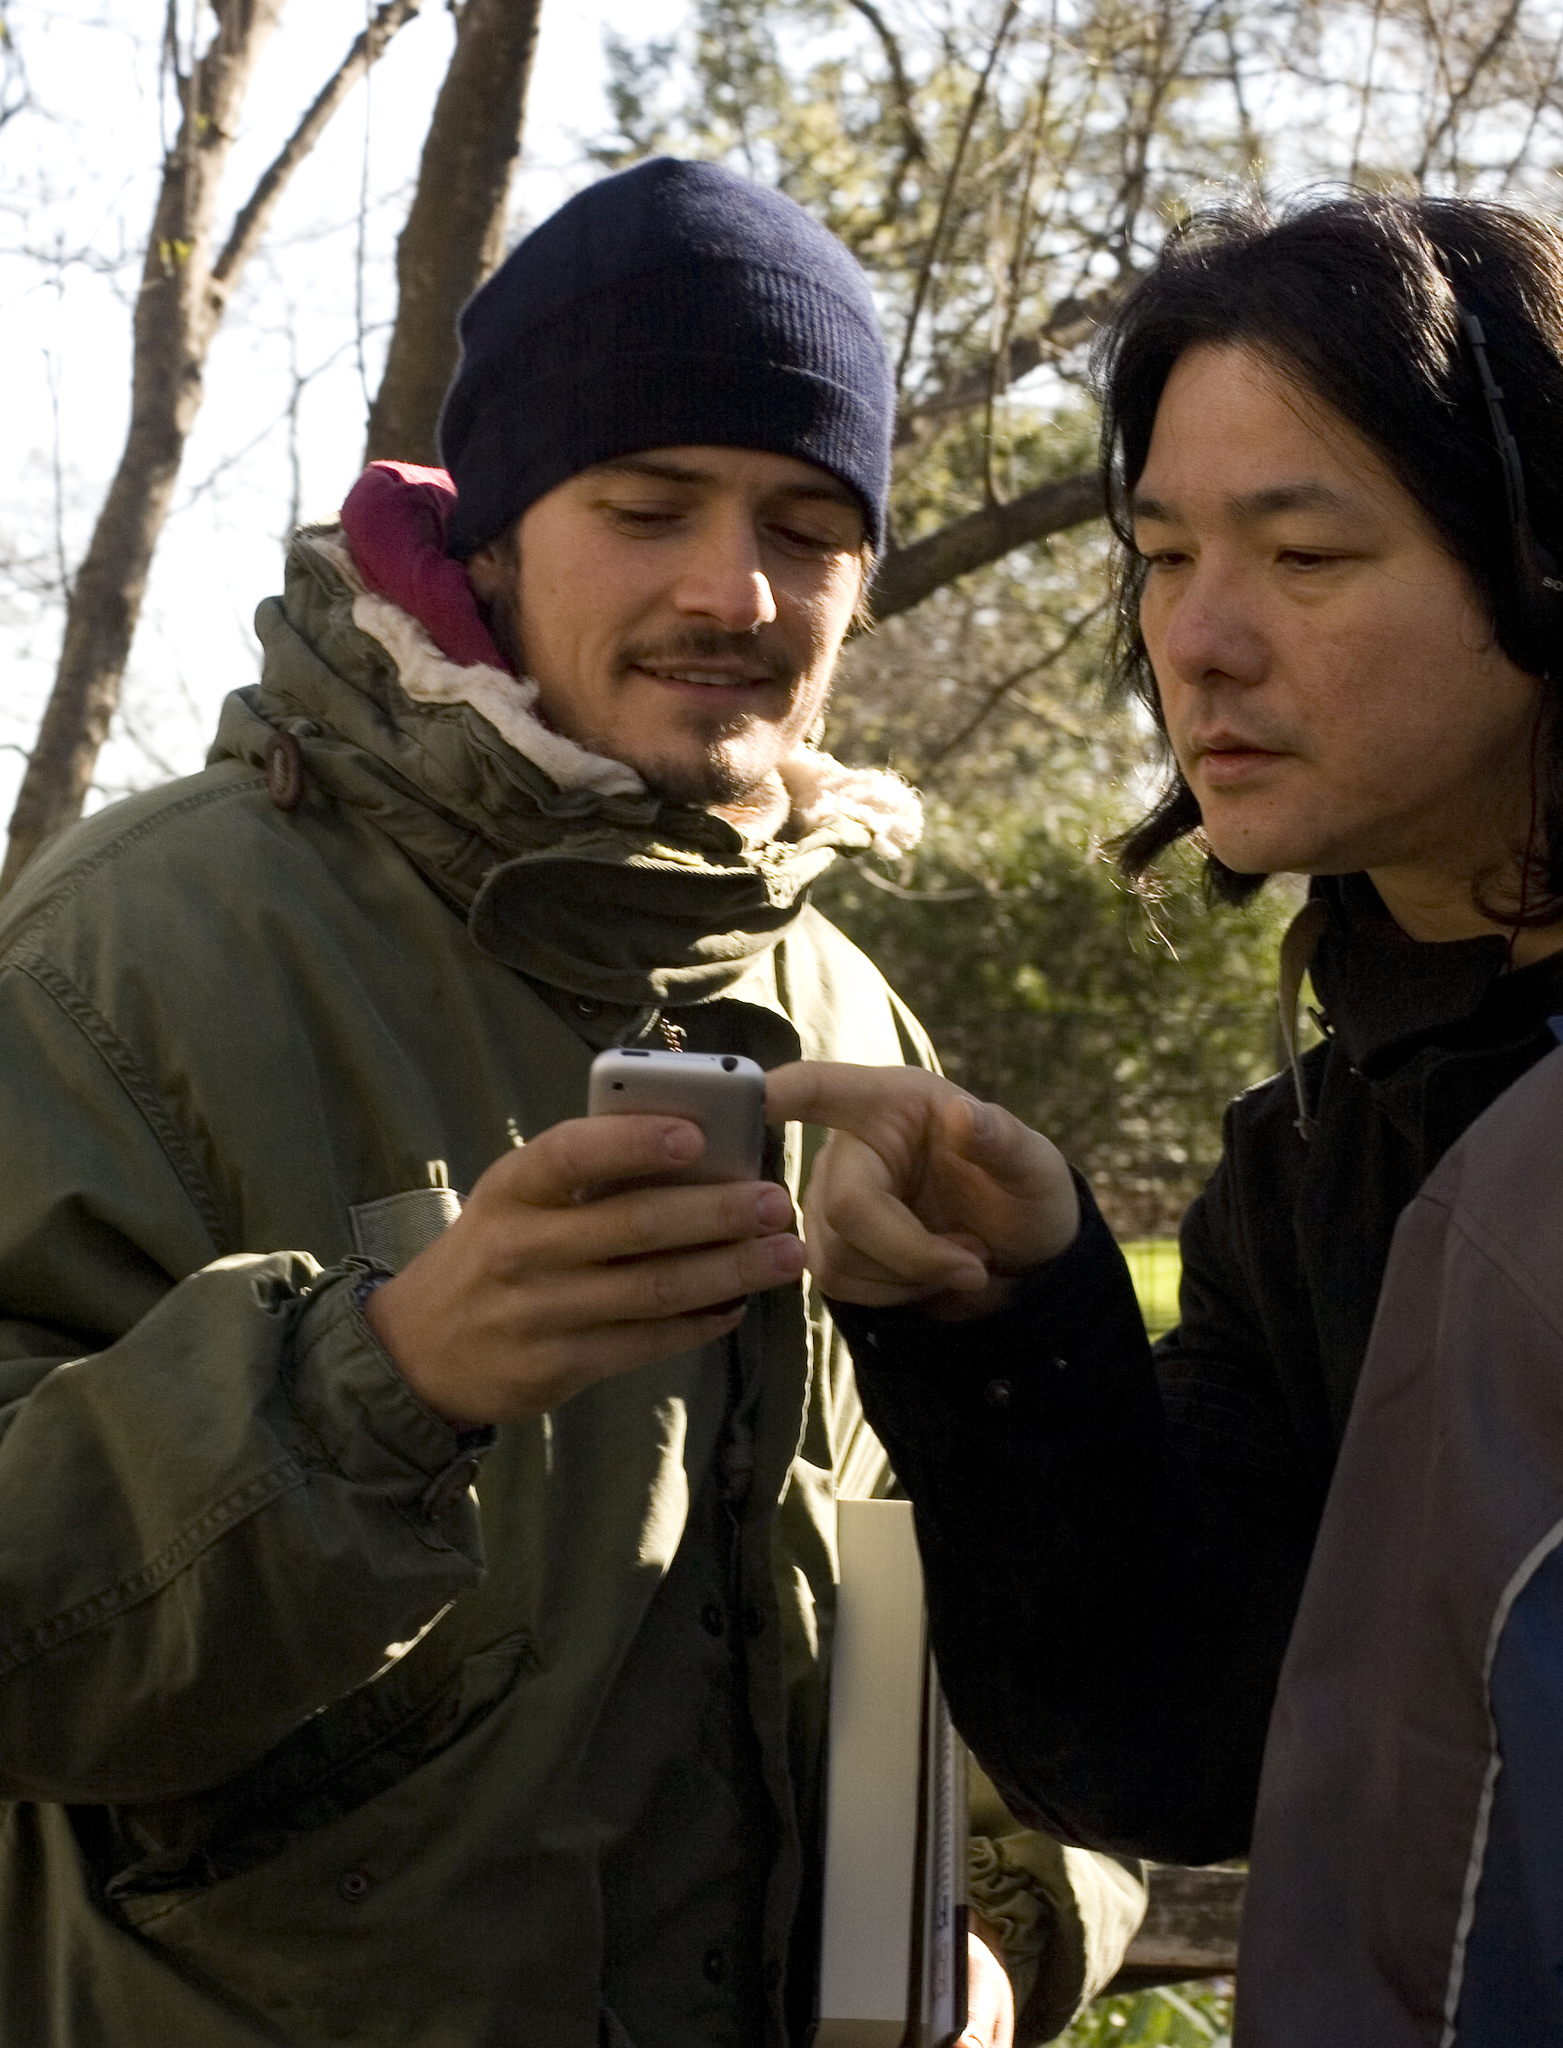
(1255,505)
(676,473)
(662,472)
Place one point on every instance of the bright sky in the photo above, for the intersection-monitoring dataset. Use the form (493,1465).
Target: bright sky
(81,182)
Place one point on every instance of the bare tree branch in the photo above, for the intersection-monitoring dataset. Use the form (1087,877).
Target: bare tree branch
(251,221)
(1166,67)
(996,693)
(455,231)
(907,575)
(952,179)
(1443,76)
(1538,106)
(1070,323)
(1007,294)
(1366,93)
(16,95)
(1246,129)
(57,474)
(287,415)
(1460,97)
(913,148)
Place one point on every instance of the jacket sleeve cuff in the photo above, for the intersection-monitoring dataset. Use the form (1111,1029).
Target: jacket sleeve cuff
(370,1425)
(1070,1340)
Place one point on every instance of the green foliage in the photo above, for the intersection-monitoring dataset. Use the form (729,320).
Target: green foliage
(1181,2016)
(1049,988)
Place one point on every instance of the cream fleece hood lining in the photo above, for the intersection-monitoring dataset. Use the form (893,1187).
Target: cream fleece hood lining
(822,791)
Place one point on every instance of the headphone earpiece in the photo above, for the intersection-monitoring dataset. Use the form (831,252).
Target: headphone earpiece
(1541,579)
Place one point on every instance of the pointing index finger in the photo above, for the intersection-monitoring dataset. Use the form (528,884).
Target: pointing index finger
(840,1096)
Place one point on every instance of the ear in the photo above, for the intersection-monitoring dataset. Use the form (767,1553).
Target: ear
(487,573)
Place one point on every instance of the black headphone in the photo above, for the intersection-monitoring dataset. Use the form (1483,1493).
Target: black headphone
(1541,581)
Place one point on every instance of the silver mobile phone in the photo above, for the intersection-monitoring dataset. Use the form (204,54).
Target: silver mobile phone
(723,1094)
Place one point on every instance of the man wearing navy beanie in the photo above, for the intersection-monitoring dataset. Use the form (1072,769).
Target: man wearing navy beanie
(417,1588)
(673,305)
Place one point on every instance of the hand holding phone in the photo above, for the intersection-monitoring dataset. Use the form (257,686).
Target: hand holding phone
(596,1247)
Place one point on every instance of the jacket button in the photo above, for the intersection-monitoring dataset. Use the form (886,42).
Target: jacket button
(714,1965)
(586,1007)
(355,1885)
(998,1393)
(285,771)
(711,1619)
(754,1621)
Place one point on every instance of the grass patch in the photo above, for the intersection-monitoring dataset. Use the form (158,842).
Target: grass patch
(1155,1268)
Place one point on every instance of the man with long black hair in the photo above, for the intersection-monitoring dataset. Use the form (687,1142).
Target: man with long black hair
(1335,447)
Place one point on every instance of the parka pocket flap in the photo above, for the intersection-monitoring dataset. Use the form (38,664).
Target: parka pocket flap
(393,1230)
(341,1758)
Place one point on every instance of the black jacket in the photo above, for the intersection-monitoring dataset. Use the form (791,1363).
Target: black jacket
(1115,1539)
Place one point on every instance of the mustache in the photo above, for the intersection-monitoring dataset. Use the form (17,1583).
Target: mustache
(711,643)
(1266,739)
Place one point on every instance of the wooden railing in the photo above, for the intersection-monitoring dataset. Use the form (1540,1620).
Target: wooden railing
(1190,1927)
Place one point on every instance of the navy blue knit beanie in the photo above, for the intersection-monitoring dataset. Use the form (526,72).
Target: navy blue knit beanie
(674,305)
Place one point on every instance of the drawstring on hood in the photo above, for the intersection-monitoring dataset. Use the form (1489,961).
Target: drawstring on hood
(1297,949)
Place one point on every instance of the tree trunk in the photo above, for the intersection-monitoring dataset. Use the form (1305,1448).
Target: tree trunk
(455,231)
(183,296)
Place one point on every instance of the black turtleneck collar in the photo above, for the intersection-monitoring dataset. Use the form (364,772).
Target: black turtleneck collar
(1383,992)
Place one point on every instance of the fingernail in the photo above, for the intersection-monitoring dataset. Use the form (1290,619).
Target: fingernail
(681,1141)
(984,1124)
(773,1208)
(787,1256)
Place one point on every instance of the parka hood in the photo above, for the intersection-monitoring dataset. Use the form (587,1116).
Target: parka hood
(566,866)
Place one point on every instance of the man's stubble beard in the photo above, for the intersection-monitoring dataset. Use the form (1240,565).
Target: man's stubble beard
(717,782)
(724,774)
